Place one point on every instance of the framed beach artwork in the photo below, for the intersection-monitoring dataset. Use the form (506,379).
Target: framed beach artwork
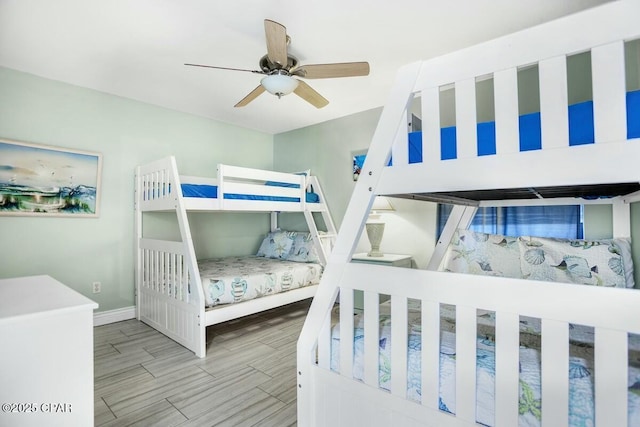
(40,180)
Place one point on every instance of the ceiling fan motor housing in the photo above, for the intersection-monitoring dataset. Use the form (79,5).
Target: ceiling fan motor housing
(267,66)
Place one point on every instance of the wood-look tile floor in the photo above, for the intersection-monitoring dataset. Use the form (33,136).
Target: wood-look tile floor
(143,378)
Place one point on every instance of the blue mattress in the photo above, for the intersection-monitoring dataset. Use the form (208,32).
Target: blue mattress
(580,131)
(211,192)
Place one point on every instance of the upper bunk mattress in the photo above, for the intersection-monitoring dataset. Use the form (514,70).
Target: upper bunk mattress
(235,279)
(211,192)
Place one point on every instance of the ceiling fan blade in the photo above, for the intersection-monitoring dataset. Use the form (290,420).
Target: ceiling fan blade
(307,93)
(225,68)
(276,35)
(329,71)
(250,97)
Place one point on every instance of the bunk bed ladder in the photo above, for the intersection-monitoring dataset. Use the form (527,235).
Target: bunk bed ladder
(323,241)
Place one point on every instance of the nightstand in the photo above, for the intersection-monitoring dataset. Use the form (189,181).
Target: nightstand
(394,260)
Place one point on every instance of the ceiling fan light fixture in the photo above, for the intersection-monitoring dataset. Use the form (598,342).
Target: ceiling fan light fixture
(279,84)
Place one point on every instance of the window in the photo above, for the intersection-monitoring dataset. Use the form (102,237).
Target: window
(565,222)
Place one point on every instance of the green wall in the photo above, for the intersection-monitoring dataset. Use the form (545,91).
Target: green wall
(78,251)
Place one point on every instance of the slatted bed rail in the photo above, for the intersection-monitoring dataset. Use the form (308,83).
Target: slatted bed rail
(237,189)
(170,296)
(509,299)
(157,185)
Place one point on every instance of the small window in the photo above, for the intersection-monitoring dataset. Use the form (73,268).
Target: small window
(565,222)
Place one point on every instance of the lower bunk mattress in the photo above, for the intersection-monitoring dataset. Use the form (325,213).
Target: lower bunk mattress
(581,387)
(241,278)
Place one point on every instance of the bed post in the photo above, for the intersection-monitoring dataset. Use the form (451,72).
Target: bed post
(138,235)
(621,211)
(196,292)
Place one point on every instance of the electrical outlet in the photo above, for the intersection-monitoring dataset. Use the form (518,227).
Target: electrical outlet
(96,287)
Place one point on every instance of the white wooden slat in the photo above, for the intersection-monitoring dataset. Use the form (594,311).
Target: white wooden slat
(430,103)
(460,217)
(202,180)
(555,373)
(466,344)
(554,102)
(562,301)
(399,341)
(580,165)
(505,87)
(621,218)
(262,190)
(346,332)
(430,362)
(466,122)
(611,366)
(507,368)
(609,98)
(324,344)
(400,147)
(371,337)
(228,172)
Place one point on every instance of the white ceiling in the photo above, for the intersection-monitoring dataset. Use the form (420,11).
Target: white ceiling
(136,48)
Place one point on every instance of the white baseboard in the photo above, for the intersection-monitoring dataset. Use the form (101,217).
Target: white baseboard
(112,316)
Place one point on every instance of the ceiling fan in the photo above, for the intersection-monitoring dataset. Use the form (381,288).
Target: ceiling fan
(281,68)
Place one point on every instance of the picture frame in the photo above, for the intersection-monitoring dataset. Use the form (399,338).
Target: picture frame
(358,161)
(44,181)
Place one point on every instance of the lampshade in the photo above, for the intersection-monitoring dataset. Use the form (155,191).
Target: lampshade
(279,84)
(381,203)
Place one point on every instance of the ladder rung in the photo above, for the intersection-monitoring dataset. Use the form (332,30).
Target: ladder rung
(327,235)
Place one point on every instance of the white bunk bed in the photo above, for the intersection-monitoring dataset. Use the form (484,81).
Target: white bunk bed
(337,397)
(169,286)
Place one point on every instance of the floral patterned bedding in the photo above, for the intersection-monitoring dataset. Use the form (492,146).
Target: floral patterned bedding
(588,262)
(235,279)
(581,406)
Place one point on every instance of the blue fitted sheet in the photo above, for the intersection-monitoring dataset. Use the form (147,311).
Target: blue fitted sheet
(211,192)
(580,131)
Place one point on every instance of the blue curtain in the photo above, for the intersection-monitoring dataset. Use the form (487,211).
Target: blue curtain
(565,222)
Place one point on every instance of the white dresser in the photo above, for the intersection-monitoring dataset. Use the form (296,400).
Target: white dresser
(46,356)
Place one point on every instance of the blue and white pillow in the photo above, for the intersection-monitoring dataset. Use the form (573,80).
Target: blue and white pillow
(303,249)
(587,262)
(484,254)
(277,244)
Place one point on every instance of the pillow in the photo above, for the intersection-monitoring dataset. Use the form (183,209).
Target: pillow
(484,254)
(624,245)
(277,244)
(587,262)
(303,249)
